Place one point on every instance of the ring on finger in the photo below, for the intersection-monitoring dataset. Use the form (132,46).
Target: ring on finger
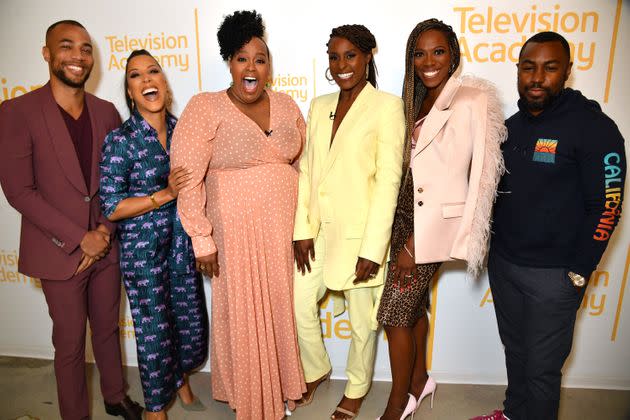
(372,275)
(408,276)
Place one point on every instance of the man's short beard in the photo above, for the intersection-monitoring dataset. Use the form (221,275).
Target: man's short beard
(62,76)
(540,105)
(537,105)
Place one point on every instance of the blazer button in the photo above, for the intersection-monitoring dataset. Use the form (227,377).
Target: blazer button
(87,199)
(420,189)
(420,203)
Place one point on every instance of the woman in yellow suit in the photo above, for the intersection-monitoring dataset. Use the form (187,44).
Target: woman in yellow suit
(348,186)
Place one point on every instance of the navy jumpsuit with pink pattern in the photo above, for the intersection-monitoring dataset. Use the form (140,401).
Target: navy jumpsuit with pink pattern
(157,262)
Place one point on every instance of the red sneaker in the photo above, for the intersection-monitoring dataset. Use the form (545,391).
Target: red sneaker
(495,415)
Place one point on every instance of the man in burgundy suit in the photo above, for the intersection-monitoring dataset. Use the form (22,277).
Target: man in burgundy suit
(50,143)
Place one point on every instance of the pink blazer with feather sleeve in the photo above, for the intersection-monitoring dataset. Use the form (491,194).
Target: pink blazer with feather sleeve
(456,166)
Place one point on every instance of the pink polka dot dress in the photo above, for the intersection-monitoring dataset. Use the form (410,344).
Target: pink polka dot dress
(241,202)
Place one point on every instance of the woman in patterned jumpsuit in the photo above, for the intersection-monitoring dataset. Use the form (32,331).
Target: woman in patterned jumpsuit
(139,190)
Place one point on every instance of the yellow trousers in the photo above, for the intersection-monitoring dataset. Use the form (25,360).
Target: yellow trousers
(309,289)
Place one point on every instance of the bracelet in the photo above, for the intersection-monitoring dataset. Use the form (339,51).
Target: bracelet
(408,252)
(155,203)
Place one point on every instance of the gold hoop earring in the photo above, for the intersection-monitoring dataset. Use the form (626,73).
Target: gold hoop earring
(169,98)
(328,76)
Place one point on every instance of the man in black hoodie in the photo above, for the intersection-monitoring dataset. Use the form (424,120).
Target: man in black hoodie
(559,203)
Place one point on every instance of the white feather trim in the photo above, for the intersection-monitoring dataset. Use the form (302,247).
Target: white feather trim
(492,170)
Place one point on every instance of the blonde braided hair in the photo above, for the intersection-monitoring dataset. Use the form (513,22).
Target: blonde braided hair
(413,90)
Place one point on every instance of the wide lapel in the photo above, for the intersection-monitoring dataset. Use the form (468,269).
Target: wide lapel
(323,129)
(96,143)
(352,117)
(438,115)
(62,143)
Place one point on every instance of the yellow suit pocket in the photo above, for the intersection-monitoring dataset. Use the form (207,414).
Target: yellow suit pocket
(451,210)
(354,231)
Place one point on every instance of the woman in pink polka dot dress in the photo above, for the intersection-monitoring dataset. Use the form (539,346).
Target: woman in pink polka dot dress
(242,145)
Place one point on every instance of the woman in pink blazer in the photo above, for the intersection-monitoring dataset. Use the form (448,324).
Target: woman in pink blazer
(452,164)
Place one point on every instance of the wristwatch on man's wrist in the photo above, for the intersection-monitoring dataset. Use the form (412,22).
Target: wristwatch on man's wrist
(578,281)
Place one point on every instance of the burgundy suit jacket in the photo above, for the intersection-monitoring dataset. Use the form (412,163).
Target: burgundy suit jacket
(41,178)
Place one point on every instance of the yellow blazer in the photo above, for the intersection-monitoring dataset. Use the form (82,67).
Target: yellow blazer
(348,190)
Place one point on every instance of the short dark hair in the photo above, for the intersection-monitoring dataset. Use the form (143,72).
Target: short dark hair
(237,30)
(548,36)
(133,54)
(62,22)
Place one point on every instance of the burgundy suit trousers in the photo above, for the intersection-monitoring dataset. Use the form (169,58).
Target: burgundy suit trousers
(94,295)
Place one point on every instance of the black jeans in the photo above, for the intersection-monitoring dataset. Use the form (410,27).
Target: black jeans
(536,310)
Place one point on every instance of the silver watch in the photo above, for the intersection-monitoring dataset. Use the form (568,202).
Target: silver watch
(578,281)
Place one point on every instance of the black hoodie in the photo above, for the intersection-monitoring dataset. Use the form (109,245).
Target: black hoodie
(560,199)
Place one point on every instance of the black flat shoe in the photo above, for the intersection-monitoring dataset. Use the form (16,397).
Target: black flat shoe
(127,409)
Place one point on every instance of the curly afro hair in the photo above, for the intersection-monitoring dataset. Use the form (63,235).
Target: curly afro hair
(237,30)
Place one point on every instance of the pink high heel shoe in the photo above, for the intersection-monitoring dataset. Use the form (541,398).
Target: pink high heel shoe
(429,388)
(409,409)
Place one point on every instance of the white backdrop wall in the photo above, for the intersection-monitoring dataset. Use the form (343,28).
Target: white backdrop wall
(464,344)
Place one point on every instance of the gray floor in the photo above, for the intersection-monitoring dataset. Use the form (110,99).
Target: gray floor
(27,388)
